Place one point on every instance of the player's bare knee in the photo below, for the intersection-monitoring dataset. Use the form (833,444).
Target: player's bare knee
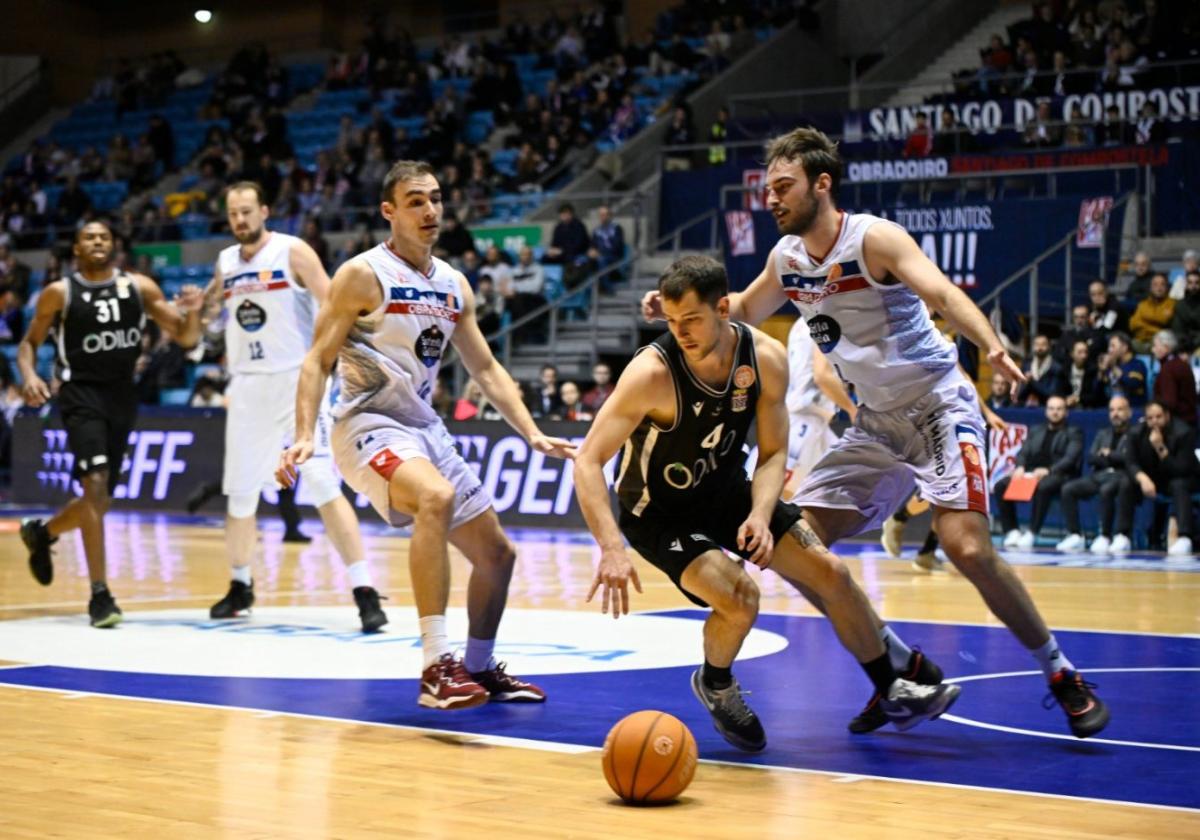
(436,500)
(501,555)
(95,490)
(834,578)
(973,557)
(740,603)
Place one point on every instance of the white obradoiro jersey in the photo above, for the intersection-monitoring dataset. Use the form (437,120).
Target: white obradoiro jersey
(269,324)
(391,357)
(803,395)
(878,336)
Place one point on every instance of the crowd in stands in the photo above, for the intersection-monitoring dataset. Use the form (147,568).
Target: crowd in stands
(1135,351)
(1076,47)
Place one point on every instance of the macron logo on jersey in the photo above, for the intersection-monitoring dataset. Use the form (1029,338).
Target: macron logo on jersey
(408,300)
(249,282)
(843,277)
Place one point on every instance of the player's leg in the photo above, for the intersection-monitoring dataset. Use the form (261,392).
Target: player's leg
(492,556)
(957,486)
(733,595)
(802,558)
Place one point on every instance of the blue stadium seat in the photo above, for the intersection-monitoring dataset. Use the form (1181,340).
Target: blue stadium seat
(175,396)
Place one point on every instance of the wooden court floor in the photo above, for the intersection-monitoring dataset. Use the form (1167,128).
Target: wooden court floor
(82,764)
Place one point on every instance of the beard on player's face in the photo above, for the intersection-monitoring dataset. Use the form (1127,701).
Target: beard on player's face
(799,218)
(248,235)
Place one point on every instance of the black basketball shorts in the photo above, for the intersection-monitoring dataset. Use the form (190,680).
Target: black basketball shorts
(672,542)
(98,419)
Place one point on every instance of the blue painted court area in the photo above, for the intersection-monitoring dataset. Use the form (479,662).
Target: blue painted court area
(997,735)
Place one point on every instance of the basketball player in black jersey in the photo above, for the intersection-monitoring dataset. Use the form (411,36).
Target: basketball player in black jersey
(682,410)
(98,315)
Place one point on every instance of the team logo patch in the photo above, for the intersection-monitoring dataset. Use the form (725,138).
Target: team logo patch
(385,462)
(834,273)
(744,377)
(251,316)
(429,346)
(739,400)
(825,331)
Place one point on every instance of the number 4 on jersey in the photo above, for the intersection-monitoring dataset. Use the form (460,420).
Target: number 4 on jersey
(713,438)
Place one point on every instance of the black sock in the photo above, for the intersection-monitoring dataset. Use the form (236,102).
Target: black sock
(930,545)
(716,678)
(902,515)
(99,586)
(881,673)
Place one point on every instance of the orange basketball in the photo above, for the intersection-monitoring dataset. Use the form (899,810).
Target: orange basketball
(649,756)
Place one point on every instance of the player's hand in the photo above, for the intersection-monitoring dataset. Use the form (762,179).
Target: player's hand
(35,392)
(993,420)
(652,306)
(553,446)
(755,536)
(291,459)
(614,573)
(190,299)
(1003,364)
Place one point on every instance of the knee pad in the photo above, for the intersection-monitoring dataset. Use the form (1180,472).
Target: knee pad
(323,485)
(242,505)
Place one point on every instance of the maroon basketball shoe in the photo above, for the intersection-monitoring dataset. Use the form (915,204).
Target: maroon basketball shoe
(446,685)
(505,688)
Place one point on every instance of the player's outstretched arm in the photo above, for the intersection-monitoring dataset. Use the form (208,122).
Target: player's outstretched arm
(34,389)
(889,250)
(355,291)
(754,535)
(643,381)
(497,385)
(180,319)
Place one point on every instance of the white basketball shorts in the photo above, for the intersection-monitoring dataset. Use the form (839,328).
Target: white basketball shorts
(934,443)
(260,422)
(368,448)
(809,438)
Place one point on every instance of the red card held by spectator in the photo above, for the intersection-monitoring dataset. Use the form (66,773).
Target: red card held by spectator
(1021,489)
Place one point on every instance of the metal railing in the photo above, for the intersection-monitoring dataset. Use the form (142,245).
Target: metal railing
(1042,294)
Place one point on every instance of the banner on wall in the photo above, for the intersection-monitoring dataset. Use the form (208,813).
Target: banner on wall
(923,169)
(1093,221)
(989,115)
(1003,447)
(511,238)
(739,226)
(174,451)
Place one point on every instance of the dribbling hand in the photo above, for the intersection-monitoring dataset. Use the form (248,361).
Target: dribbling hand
(290,460)
(614,572)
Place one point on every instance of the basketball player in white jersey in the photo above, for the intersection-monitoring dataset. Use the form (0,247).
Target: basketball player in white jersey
(861,283)
(392,312)
(814,395)
(271,285)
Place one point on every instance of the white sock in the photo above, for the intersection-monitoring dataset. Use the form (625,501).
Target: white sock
(360,574)
(479,654)
(1051,658)
(898,652)
(434,642)
(242,573)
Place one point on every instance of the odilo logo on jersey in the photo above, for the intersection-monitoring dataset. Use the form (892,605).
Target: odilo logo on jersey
(715,446)
(102,342)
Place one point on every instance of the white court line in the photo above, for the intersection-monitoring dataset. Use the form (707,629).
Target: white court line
(576,749)
(995,625)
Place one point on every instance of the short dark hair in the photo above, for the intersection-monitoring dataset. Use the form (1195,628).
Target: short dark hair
(259,193)
(1166,408)
(402,170)
(566,207)
(816,153)
(1123,338)
(703,275)
(103,222)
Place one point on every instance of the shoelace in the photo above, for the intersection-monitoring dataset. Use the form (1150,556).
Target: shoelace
(1074,693)
(455,669)
(730,699)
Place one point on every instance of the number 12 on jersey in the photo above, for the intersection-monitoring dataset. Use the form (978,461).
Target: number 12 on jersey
(256,351)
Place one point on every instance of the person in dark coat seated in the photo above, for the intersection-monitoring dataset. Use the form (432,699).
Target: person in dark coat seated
(1161,458)
(1108,479)
(1053,453)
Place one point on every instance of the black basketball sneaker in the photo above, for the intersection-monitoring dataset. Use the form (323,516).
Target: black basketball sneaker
(736,722)
(38,540)
(1087,714)
(103,610)
(920,669)
(372,615)
(238,599)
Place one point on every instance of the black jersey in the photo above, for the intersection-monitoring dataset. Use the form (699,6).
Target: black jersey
(99,333)
(675,470)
